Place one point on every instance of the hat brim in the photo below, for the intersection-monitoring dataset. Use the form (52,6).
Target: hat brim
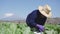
(44,13)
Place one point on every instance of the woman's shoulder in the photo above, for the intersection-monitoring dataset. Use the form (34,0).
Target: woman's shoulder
(34,11)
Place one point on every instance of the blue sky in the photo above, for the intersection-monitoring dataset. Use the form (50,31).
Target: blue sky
(21,8)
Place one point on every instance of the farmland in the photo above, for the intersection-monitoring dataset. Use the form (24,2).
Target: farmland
(22,28)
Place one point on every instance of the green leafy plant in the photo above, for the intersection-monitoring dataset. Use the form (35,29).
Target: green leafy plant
(22,28)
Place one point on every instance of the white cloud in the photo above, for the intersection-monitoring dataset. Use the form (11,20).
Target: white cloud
(8,14)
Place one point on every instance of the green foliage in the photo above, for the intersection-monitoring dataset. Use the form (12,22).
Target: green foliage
(13,28)
(22,28)
(52,28)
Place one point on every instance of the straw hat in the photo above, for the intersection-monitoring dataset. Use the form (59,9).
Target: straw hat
(45,10)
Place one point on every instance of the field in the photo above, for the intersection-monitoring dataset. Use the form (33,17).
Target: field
(22,28)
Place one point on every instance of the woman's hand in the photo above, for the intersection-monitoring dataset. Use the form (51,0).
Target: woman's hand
(41,28)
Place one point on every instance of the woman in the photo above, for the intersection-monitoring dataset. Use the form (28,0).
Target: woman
(37,18)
